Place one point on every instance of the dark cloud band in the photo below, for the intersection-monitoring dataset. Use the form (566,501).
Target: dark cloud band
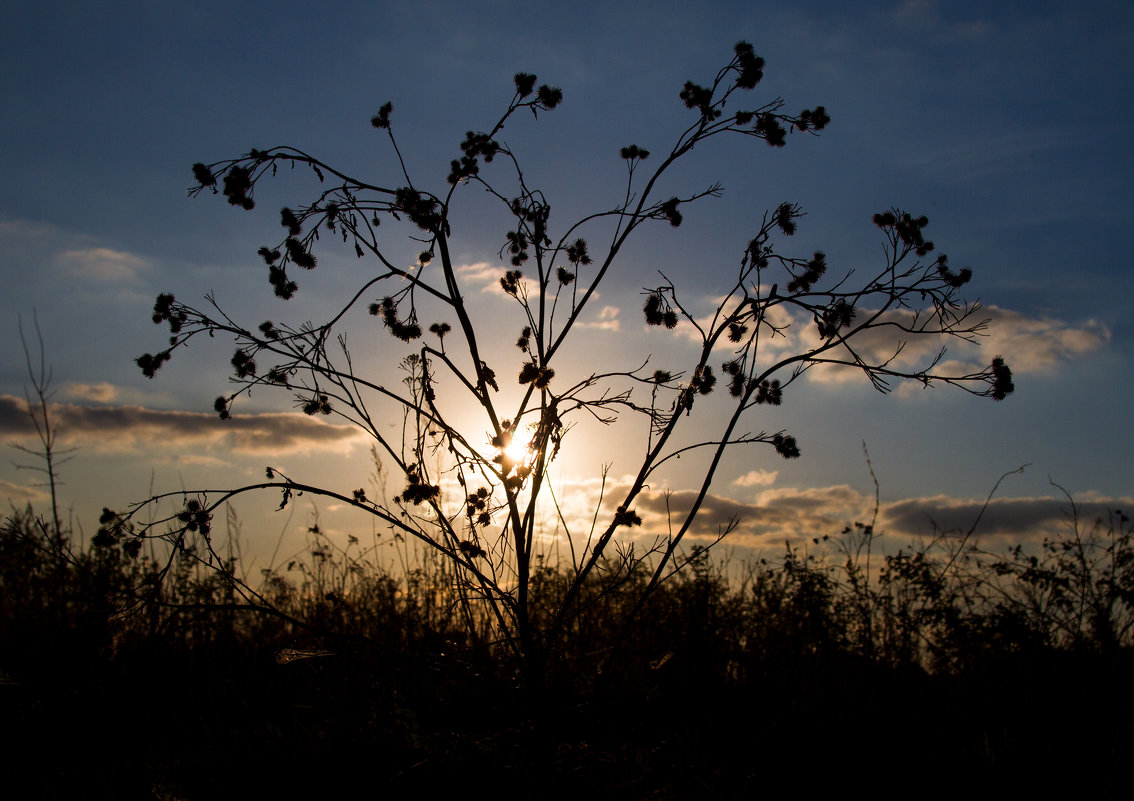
(136,427)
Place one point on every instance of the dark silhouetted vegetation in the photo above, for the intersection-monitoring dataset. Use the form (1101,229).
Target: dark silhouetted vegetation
(944,666)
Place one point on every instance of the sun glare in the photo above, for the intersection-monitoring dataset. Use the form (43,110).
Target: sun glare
(517,450)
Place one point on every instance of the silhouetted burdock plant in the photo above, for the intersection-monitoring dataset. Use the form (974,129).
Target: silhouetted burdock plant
(485,533)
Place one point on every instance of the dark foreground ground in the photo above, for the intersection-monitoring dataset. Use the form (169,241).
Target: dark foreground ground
(168,725)
(937,676)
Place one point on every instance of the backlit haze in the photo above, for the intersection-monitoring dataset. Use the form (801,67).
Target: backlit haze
(1007,124)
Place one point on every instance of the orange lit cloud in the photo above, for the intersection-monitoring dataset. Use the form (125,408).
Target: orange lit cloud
(798,515)
(776,515)
(1035,344)
(757,478)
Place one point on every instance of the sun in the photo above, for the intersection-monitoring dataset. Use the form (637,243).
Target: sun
(518,451)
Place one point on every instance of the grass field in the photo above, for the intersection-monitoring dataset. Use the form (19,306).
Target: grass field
(935,669)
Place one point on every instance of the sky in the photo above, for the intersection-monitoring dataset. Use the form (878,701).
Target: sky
(1007,124)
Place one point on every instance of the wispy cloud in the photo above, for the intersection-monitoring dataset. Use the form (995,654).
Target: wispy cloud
(487,277)
(20,495)
(99,393)
(101,265)
(926,17)
(199,460)
(982,157)
(105,393)
(20,229)
(778,333)
(605,320)
(135,428)
(1028,344)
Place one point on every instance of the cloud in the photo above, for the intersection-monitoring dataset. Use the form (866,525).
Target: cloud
(133,428)
(481,273)
(104,393)
(28,229)
(757,478)
(925,16)
(797,515)
(20,495)
(984,156)
(776,332)
(101,265)
(607,320)
(1014,519)
(1040,344)
(198,460)
(14,416)
(774,517)
(488,276)
(99,393)
(915,9)
(1028,345)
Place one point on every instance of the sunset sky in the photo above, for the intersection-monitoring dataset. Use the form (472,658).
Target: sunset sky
(1008,124)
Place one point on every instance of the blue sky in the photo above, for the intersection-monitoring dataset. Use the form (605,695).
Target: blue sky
(1007,124)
